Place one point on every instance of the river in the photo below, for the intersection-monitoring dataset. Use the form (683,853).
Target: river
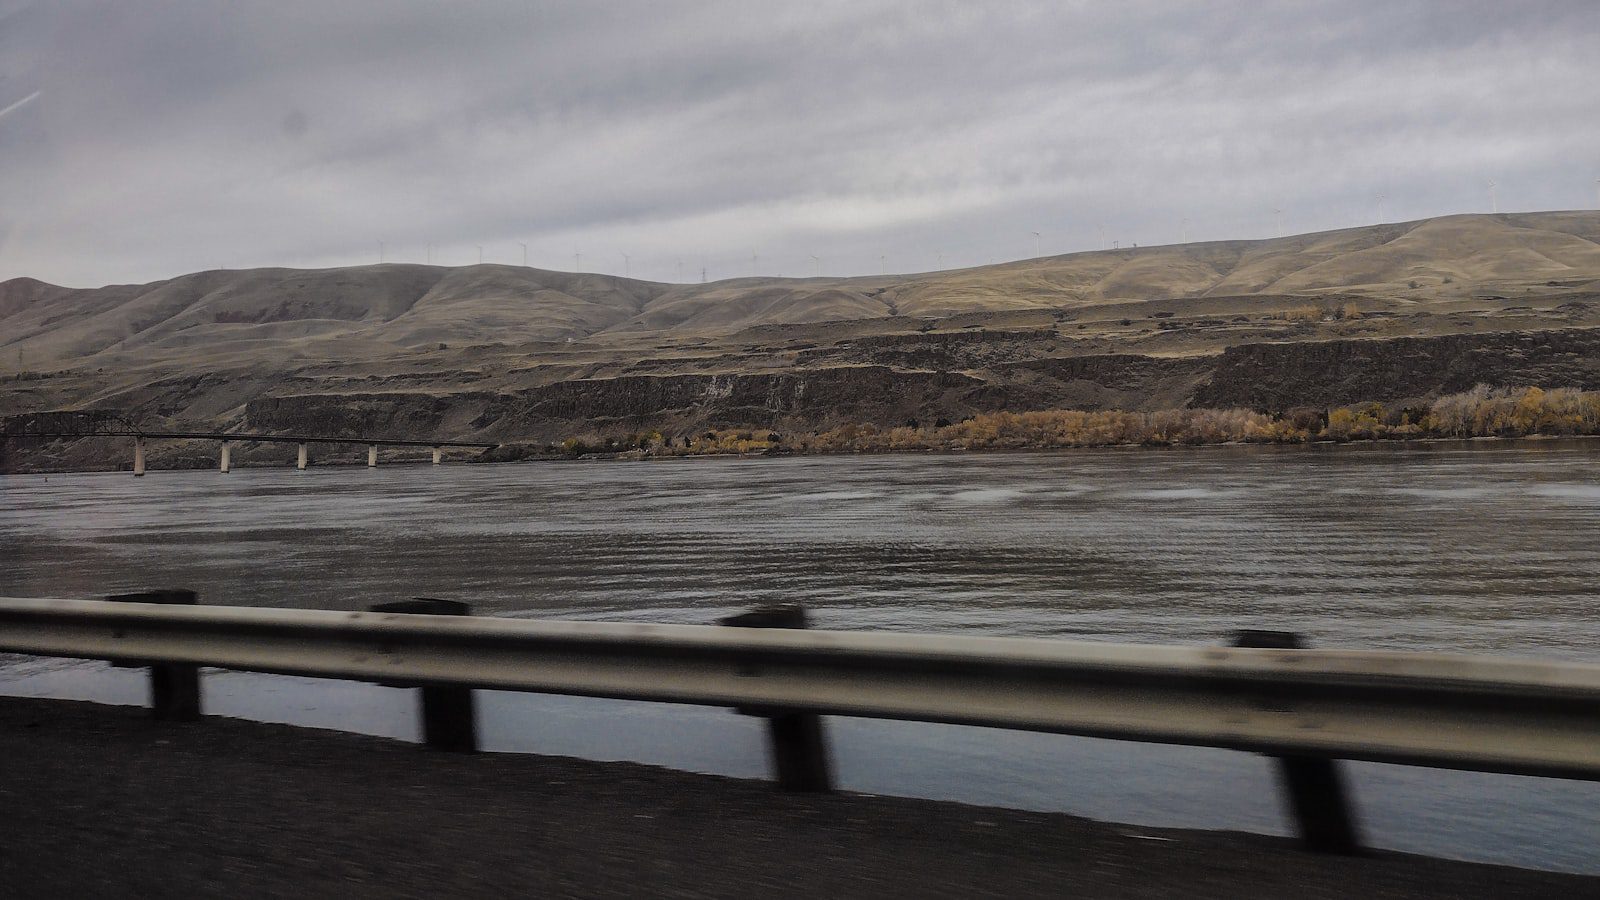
(1472,547)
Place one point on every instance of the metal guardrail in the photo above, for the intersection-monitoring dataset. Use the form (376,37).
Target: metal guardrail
(1493,715)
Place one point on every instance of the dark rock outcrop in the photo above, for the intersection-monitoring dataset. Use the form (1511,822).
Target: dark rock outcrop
(1275,377)
(816,398)
(1106,381)
(1269,377)
(403,415)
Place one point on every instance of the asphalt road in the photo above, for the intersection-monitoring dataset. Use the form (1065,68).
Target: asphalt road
(98,801)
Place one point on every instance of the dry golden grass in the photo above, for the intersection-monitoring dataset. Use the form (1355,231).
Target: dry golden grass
(393,311)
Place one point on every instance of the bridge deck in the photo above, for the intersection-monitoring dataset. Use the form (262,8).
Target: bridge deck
(238,437)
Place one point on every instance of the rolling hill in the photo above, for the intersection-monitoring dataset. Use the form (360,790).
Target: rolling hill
(370,311)
(509,353)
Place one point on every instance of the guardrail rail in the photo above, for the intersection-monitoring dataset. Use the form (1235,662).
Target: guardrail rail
(1307,707)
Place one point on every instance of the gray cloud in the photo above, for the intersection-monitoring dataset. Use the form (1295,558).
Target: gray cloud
(175,136)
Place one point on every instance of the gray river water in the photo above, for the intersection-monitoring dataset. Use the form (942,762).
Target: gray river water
(1482,548)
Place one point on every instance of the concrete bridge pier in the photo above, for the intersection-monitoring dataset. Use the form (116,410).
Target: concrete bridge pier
(372,456)
(138,456)
(227,458)
(438,455)
(300,461)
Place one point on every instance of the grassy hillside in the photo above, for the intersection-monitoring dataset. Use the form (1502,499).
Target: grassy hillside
(371,312)
(1400,314)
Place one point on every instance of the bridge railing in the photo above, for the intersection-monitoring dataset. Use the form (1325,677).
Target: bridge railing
(1304,706)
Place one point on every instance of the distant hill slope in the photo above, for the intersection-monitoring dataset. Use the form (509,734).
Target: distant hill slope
(376,310)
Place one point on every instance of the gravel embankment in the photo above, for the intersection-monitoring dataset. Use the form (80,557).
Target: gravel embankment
(99,801)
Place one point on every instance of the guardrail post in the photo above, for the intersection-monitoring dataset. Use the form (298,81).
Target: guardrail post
(300,460)
(138,456)
(449,714)
(174,687)
(1317,796)
(797,744)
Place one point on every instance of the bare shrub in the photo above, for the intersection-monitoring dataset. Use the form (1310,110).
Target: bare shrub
(1482,411)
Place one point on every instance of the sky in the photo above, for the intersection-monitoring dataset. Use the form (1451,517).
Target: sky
(680,141)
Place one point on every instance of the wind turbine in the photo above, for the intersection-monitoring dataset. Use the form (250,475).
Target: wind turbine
(680,269)
(1381,198)
(627,265)
(754,258)
(1494,199)
(816,264)
(1277,215)
(524,253)
(1036,251)
(430,254)
(577,262)
(480,254)
(940,255)
(1185,231)
(380,253)
(1597,193)
(883,264)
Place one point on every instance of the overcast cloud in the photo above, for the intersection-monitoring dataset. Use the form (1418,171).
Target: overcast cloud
(171,137)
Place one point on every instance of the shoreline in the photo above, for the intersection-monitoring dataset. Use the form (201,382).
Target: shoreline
(104,800)
(635,456)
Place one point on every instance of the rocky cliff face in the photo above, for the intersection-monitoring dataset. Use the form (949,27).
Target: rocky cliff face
(1274,377)
(396,414)
(1270,377)
(1103,381)
(672,403)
